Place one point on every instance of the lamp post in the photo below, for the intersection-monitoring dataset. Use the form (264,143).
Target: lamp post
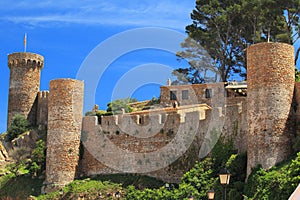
(190,198)
(224,179)
(118,194)
(211,194)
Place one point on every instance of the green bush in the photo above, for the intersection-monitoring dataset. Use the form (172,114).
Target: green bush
(18,126)
(220,154)
(20,156)
(154,101)
(276,183)
(38,158)
(119,104)
(91,188)
(200,177)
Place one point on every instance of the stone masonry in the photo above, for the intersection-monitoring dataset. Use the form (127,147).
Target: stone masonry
(65,106)
(124,144)
(42,109)
(24,85)
(271,75)
(189,116)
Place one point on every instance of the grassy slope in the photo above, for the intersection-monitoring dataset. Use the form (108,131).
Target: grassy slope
(276,183)
(23,186)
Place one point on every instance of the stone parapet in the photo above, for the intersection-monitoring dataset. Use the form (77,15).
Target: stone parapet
(23,59)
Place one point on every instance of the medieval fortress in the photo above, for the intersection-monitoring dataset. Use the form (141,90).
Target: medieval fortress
(261,117)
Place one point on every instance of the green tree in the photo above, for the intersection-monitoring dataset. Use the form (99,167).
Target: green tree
(226,28)
(201,177)
(293,173)
(217,28)
(118,105)
(292,25)
(38,158)
(271,20)
(200,64)
(18,126)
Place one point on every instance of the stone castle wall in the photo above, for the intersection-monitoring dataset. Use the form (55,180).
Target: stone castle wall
(42,109)
(270,74)
(65,104)
(24,85)
(163,143)
(125,144)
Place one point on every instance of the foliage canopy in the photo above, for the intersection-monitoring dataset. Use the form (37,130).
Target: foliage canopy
(18,126)
(223,29)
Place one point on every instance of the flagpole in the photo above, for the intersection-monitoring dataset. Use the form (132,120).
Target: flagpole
(25,42)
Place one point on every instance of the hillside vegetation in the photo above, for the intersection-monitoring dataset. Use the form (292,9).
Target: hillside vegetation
(277,183)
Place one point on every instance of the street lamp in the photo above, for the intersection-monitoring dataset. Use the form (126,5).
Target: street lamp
(190,198)
(169,186)
(118,194)
(211,194)
(224,179)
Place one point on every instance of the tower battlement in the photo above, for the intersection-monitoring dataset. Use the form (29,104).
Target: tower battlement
(25,59)
(43,94)
(42,109)
(24,85)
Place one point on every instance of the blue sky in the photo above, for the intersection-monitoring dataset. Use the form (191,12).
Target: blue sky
(66,32)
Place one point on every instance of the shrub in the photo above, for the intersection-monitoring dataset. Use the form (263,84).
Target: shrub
(276,183)
(220,154)
(200,177)
(38,158)
(20,156)
(18,126)
(119,104)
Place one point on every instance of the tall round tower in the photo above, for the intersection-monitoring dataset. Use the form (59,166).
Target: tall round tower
(65,106)
(271,77)
(24,85)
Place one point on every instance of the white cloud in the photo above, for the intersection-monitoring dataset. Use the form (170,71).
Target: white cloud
(166,13)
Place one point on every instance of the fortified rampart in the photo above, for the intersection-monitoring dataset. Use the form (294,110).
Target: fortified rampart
(164,142)
(139,135)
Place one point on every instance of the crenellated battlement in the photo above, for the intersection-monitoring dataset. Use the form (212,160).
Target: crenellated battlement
(43,94)
(30,60)
(165,117)
(25,74)
(42,109)
(155,115)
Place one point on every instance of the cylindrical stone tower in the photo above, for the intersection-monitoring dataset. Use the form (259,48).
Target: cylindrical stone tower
(65,106)
(271,77)
(24,84)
